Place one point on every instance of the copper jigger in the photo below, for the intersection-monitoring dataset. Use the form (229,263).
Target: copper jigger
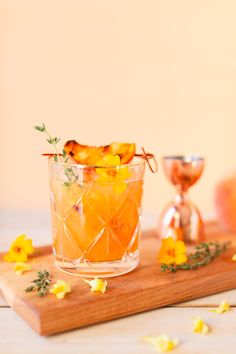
(181,219)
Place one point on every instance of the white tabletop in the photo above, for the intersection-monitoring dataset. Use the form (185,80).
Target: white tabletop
(119,336)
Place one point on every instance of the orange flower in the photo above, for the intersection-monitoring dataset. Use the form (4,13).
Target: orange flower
(172,252)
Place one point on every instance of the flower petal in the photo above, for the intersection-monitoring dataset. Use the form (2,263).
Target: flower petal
(7,257)
(199,326)
(21,267)
(60,295)
(162,343)
(172,252)
(20,257)
(19,241)
(180,259)
(60,289)
(165,258)
(28,247)
(97,284)
(168,242)
(223,307)
(234,257)
(180,247)
(19,250)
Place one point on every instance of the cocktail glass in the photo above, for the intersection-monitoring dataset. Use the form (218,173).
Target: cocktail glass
(96,217)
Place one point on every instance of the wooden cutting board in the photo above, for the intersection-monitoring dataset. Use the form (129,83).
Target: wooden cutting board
(144,289)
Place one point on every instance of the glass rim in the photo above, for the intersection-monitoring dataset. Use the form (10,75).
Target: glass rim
(140,163)
(184,158)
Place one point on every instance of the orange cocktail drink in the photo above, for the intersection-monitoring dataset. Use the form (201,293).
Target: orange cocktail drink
(96,216)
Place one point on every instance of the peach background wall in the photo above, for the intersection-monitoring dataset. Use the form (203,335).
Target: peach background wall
(161,73)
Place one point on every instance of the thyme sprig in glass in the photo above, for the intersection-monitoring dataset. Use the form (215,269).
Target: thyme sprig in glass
(203,255)
(41,283)
(59,157)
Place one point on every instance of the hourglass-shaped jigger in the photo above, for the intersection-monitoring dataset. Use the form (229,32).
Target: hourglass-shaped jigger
(181,219)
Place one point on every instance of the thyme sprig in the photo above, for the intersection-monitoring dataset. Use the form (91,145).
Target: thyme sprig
(41,283)
(59,157)
(53,140)
(203,255)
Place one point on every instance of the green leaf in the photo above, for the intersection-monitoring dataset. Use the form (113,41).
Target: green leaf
(40,128)
(64,153)
(53,140)
(56,140)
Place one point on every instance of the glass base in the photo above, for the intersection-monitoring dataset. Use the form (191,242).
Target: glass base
(88,269)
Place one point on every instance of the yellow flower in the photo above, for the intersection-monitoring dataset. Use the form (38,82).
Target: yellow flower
(234,257)
(115,175)
(21,267)
(19,250)
(60,289)
(162,343)
(223,307)
(199,326)
(97,284)
(109,161)
(172,251)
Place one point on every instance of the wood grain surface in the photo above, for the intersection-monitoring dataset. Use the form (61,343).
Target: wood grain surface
(144,289)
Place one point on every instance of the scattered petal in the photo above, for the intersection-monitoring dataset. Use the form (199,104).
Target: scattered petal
(234,257)
(162,343)
(60,289)
(97,284)
(21,267)
(223,307)
(199,326)
(19,250)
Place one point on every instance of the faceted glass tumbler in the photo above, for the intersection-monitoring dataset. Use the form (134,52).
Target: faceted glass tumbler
(96,217)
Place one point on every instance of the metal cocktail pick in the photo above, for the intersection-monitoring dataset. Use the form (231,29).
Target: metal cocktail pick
(181,219)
